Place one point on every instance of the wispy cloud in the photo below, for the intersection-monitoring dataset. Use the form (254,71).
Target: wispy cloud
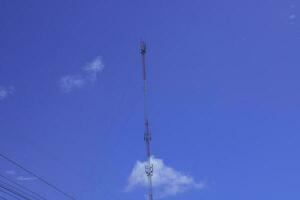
(89,74)
(70,82)
(18,177)
(22,178)
(5,92)
(10,172)
(166,180)
(94,68)
(292,15)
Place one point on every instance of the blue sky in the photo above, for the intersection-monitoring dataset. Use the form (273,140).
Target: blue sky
(224,95)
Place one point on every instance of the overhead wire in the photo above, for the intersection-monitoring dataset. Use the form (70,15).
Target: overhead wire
(38,177)
(17,193)
(9,194)
(24,190)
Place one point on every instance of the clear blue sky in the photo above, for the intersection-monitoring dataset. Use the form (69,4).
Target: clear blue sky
(224,94)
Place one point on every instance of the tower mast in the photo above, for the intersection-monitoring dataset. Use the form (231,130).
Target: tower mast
(147,134)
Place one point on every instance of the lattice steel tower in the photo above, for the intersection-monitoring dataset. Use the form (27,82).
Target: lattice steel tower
(147,134)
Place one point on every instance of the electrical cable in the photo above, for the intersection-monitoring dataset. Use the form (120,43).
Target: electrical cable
(38,177)
(31,193)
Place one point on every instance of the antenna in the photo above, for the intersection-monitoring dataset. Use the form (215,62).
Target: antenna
(147,134)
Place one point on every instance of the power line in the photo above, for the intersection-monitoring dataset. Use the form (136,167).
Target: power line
(9,194)
(38,177)
(15,192)
(12,188)
(33,194)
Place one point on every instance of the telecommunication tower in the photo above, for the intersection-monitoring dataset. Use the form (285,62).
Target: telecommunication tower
(147,133)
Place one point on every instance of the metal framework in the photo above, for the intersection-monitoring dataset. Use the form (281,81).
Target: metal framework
(147,134)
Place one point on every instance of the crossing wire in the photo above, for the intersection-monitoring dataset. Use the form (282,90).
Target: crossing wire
(14,192)
(9,194)
(38,177)
(29,192)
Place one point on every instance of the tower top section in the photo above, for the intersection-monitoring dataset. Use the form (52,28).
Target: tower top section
(143,47)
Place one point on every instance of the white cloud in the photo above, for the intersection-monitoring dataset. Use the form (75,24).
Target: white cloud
(94,68)
(15,175)
(22,178)
(70,82)
(89,74)
(165,179)
(6,92)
